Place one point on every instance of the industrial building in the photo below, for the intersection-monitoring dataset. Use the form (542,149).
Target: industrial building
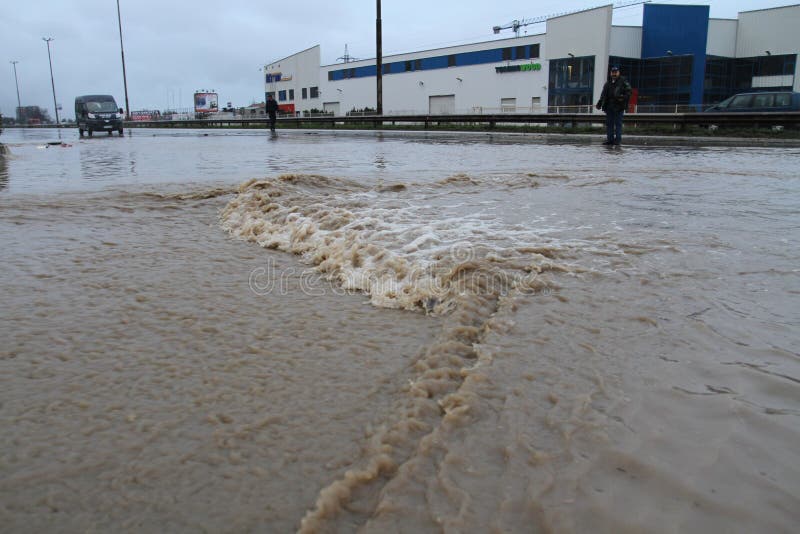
(679,59)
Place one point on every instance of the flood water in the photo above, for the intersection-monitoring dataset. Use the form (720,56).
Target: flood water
(225,331)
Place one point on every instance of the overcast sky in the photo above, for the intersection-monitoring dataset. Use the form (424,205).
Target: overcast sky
(175,47)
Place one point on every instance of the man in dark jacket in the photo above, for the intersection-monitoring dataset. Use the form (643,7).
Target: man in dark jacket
(272,110)
(614,101)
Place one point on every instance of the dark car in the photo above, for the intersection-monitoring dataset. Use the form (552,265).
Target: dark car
(758,102)
(98,113)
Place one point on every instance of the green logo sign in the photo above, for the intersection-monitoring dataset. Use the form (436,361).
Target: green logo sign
(519,68)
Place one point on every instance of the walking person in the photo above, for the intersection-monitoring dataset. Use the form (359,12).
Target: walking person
(614,101)
(272,110)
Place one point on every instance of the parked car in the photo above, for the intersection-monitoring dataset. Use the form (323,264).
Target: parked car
(758,102)
(98,113)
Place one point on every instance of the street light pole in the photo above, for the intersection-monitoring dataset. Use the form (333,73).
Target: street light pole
(19,105)
(124,77)
(379,59)
(52,82)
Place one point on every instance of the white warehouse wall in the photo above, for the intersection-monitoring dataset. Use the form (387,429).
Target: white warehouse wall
(303,68)
(768,29)
(480,87)
(626,41)
(587,33)
(721,39)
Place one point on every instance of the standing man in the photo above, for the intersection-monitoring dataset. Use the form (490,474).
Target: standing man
(614,101)
(272,110)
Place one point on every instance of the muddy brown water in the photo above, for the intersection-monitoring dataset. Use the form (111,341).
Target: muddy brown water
(360,332)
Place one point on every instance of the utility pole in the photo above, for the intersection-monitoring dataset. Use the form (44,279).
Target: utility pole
(52,82)
(124,77)
(379,59)
(19,105)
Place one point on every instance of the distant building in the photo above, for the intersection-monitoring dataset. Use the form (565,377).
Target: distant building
(254,110)
(32,115)
(678,59)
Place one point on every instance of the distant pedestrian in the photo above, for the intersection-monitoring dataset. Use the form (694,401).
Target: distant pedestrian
(614,101)
(272,111)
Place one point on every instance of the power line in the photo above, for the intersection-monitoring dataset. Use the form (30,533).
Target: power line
(347,58)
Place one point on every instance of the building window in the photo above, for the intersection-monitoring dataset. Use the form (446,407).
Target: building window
(662,83)
(291,94)
(521,52)
(451,60)
(508,105)
(571,85)
(408,66)
(314,92)
(330,75)
(271,93)
(506,54)
(387,68)
(282,96)
(534,51)
(305,93)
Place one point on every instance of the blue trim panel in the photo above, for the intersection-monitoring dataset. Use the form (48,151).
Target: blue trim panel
(463,59)
(681,30)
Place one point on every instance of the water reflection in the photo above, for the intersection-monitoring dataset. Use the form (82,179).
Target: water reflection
(101,161)
(3,168)
(155,156)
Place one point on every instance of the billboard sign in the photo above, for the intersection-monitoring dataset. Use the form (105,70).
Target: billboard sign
(145,115)
(206,102)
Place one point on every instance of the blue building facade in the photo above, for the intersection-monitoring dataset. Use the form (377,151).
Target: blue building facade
(669,30)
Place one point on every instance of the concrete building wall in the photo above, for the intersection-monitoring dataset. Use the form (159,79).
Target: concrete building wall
(587,33)
(626,41)
(470,47)
(722,37)
(475,88)
(774,29)
(298,71)
(489,85)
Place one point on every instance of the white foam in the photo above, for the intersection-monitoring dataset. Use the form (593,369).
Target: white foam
(397,248)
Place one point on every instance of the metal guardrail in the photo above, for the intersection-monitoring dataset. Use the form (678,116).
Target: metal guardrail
(490,120)
(676,120)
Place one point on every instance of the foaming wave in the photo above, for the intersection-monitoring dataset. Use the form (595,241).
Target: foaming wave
(403,253)
(502,181)
(203,194)
(398,253)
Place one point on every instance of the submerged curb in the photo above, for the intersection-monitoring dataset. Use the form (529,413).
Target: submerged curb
(631,140)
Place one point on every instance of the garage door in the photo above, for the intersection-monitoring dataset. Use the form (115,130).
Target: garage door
(331,107)
(442,105)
